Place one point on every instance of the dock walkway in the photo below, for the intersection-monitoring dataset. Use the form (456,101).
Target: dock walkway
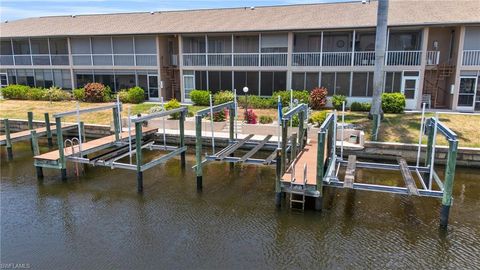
(26,134)
(309,157)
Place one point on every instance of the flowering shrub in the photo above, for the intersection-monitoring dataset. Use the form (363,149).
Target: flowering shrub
(318,98)
(97,92)
(250,117)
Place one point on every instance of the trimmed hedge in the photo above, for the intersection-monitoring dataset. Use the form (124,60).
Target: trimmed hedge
(257,102)
(302,96)
(265,119)
(360,107)
(393,102)
(23,92)
(200,97)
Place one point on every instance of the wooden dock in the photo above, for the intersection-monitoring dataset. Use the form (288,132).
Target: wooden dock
(92,145)
(26,134)
(307,157)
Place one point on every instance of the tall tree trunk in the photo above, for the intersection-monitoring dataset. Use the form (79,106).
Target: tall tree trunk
(378,75)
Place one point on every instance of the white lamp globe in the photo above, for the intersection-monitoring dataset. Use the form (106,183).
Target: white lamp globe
(245,89)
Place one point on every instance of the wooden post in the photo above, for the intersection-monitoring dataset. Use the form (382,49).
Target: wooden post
(61,153)
(430,129)
(198,150)
(138,158)
(301,116)
(36,152)
(82,131)
(182,137)
(293,147)
(116,126)
(284,146)
(320,168)
(278,178)
(8,139)
(49,130)
(231,129)
(448,185)
(30,126)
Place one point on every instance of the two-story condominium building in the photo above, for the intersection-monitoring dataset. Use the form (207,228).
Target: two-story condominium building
(433,51)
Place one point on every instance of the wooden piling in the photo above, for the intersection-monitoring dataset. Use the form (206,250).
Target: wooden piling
(278,178)
(30,126)
(138,157)
(430,130)
(198,150)
(301,118)
(61,153)
(448,185)
(284,146)
(8,139)
(36,152)
(293,147)
(116,126)
(82,131)
(49,131)
(320,168)
(231,129)
(182,137)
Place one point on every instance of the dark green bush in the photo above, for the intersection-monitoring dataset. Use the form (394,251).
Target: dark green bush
(79,94)
(257,102)
(393,102)
(15,91)
(302,96)
(36,94)
(173,104)
(200,97)
(136,95)
(337,101)
(265,119)
(360,107)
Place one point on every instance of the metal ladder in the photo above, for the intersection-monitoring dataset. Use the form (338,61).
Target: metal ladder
(297,193)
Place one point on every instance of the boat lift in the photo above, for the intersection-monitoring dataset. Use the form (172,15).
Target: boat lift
(321,163)
(109,150)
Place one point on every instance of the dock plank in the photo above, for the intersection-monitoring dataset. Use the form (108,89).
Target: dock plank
(55,155)
(307,156)
(25,134)
(350,172)
(407,177)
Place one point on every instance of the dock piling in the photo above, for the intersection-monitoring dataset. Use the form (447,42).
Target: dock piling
(320,169)
(293,147)
(30,126)
(449,178)
(198,150)
(8,139)
(62,161)
(278,177)
(116,126)
(36,152)
(283,149)
(182,138)
(138,150)
(49,131)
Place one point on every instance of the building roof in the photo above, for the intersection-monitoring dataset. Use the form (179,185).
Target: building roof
(291,17)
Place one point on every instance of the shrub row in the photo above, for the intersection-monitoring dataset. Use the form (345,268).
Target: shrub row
(133,95)
(24,92)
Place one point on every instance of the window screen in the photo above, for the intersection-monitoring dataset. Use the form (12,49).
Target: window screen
(145,45)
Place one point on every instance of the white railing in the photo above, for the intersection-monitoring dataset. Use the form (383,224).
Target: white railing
(307,59)
(471,58)
(114,59)
(34,59)
(194,59)
(403,58)
(246,59)
(219,59)
(337,59)
(364,58)
(433,58)
(273,59)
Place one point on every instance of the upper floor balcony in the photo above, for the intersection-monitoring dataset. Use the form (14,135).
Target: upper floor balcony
(471,58)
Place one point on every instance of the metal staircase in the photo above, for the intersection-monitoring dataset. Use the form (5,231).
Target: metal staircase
(171,76)
(432,83)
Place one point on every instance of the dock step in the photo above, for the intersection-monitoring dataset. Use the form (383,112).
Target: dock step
(297,197)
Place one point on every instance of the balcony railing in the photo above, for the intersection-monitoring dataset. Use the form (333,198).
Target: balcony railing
(403,58)
(364,58)
(114,59)
(337,59)
(433,57)
(313,59)
(235,59)
(471,58)
(34,60)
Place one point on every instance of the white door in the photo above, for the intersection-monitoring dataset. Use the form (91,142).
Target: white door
(410,90)
(188,86)
(3,80)
(153,87)
(467,93)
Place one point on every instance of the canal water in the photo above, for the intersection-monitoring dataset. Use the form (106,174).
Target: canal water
(98,221)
